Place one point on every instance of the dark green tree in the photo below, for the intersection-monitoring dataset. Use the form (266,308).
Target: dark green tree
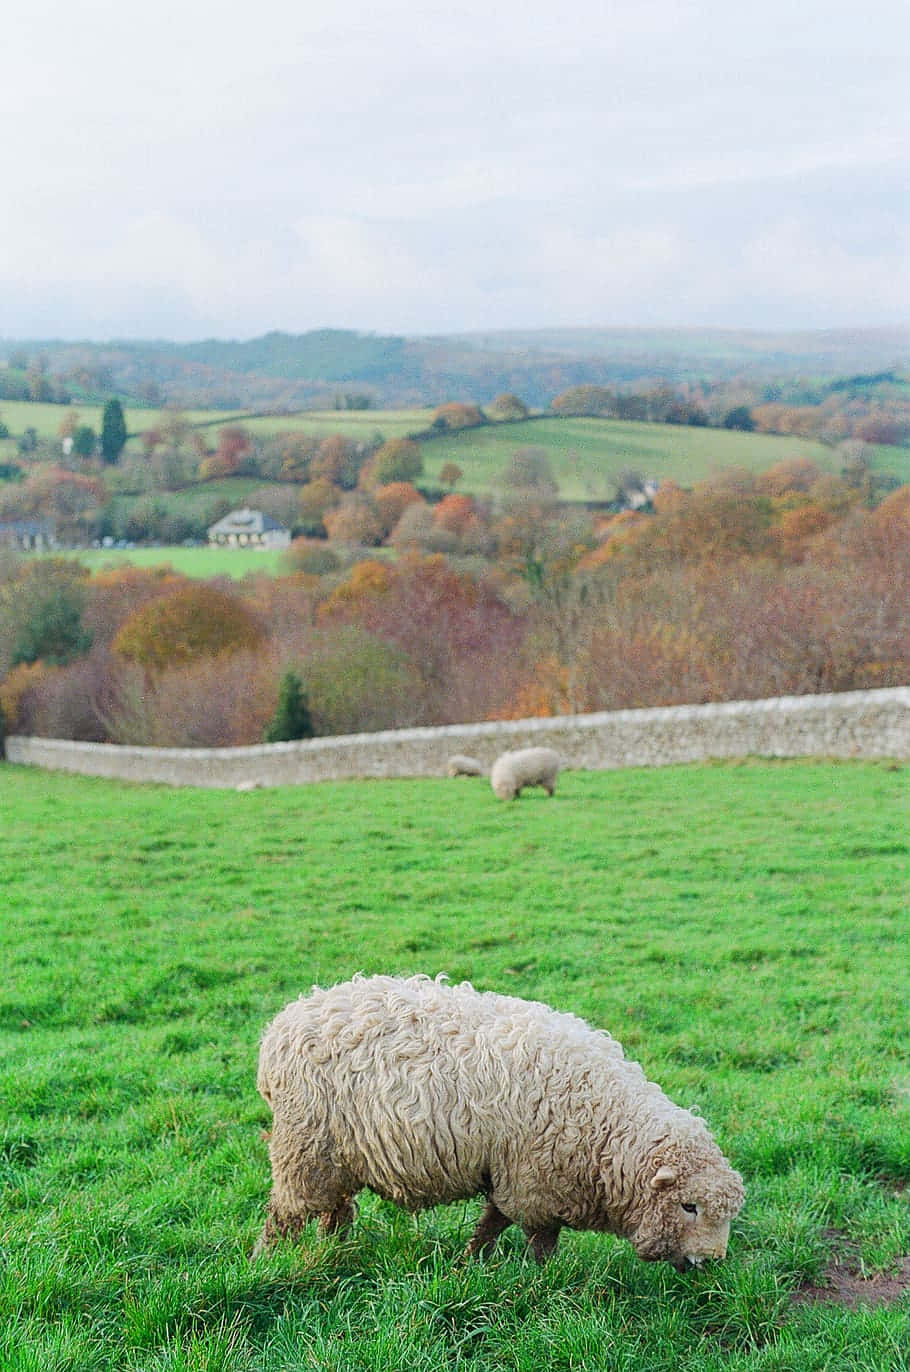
(113,431)
(45,613)
(292,717)
(740,417)
(85,441)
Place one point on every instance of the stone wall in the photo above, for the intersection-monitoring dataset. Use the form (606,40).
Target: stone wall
(856,724)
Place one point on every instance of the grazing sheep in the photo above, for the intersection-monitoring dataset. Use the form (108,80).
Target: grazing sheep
(512,772)
(428,1093)
(462,766)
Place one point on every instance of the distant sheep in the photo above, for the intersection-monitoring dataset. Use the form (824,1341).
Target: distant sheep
(428,1093)
(513,771)
(462,766)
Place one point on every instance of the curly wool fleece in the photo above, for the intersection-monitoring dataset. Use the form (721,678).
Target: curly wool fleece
(428,1093)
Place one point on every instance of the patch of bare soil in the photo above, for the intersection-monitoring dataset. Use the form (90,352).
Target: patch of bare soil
(842,1282)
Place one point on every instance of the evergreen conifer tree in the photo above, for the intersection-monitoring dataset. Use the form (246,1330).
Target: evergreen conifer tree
(292,717)
(113,431)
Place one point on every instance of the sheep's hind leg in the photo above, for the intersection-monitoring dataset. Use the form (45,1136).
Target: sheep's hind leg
(489,1227)
(543,1242)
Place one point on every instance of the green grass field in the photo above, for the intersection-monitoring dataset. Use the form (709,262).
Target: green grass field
(18,415)
(196,562)
(587,453)
(742,929)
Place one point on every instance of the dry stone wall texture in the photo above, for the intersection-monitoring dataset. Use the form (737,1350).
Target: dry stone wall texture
(856,724)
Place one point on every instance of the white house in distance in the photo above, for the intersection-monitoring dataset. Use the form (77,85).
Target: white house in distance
(249,529)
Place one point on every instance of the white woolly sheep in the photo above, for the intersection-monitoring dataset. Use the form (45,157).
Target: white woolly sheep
(428,1093)
(462,766)
(515,770)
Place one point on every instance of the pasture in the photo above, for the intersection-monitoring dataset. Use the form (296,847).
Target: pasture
(741,928)
(586,454)
(202,562)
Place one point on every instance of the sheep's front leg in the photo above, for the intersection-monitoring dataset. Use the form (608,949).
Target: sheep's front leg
(543,1241)
(340,1219)
(489,1227)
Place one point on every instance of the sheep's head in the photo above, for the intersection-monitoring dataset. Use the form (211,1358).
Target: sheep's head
(687,1213)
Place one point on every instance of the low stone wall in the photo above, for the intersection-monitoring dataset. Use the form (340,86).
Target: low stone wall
(856,724)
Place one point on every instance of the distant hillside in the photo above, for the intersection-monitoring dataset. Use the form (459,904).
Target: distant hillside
(333,366)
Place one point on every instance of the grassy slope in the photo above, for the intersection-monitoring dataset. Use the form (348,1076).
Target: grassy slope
(586,453)
(738,927)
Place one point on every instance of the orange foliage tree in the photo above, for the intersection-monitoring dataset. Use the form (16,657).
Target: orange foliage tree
(197,621)
(400,459)
(392,500)
(354,520)
(457,415)
(234,444)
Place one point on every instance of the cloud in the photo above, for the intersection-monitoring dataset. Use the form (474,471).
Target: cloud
(386,167)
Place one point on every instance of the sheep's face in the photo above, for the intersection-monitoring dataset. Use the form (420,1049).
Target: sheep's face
(688,1216)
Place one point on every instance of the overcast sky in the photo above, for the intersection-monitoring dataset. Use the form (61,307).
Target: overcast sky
(187,169)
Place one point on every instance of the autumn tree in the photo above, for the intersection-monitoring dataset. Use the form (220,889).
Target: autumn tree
(450,474)
(196,621)
(316,499)
(529,469)
(234,445)
(399,459)
(354,520)
(508,406)
(457,415)
(338,459)
(392,500)
(584,400)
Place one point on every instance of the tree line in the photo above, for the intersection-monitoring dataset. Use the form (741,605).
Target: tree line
(789,582)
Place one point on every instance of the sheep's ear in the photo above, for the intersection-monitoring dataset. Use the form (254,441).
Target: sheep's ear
(664,1176)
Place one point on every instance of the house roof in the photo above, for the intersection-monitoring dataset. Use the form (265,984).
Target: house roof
(246,521)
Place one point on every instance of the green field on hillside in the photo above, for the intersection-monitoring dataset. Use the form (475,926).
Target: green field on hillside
(18,415)
(586,454)
(741,928)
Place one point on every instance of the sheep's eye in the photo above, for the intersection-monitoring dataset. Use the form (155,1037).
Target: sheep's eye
(689,1209)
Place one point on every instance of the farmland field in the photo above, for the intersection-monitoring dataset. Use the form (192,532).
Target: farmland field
(741,928)
(200,562)
(586,454)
